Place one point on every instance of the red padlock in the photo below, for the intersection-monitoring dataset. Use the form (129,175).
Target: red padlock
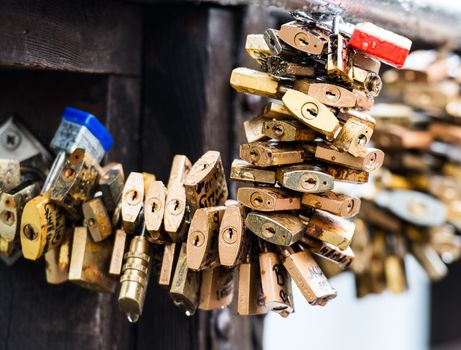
(380,43)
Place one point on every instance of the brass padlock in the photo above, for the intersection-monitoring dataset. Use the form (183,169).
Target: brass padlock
(330,228)
(311,112)
(335,203)
(310,41)
(304,178)
(97,219)
(206,183)
(308,276)
(250,293)
(265,154)
(111,185)
(118,250)
(277,46)
(338,61)
(328,94)
(89,263)
(377,267)
(54,273)
(347,175)
(361,246)
(154,210)
(244,171)
(132,202)
(287,130)
(379,217)
(216,288)
(176,207)
(429,260)
(343,258)
(372,159)
(394,264)
(257,48)
(268,198)
(280,67)
(10,174)
(167,266)
(11,205)
(355,134)
(135,278)
(233,239)
(186,283)
(277,111)
(42,226)
(276,284)
(202,240)
(278,228)
(254,82)
(370,82)
(254,129)
(76,183)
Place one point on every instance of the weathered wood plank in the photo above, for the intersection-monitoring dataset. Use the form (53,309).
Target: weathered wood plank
(79,36)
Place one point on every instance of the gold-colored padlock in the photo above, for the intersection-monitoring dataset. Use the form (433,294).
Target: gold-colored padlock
(254,129)
(42,226)
(265,154)
(132,201)
(206,183)
(89,263)
(111,185)
(355,134)
(268,198)
(202,240)
(118,251)
(343,258)
(54,274)
(338,61)
(186,283)
(76,183)
(310,41)
(304,178)
(287,130)
(347,175)
(257,48)
(216,288)
(277,111)
(254,82)
(250,293)
(335,203)
(279,67)
(244,171)
(97,219)
(167,266)
(329,94)
(154,210)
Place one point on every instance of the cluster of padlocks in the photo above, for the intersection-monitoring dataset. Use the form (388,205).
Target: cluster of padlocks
(416,206)
(92,226)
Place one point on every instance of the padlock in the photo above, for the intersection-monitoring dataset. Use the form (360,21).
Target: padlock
(167,266)
(277,46)
(118,250)
(380,43)
(76,183)
(280,67)
(96,218)
(344,174)
(370,161)
(326,93)
(379,217)
(206,183)
(202,240)
(310,41)
(12,203)
(355,134)
(250,293)
(363,101)
(429,260)
(329,228)
(276,283)
(304,178)
(216,288)
(10,174)
(329,268)
(244,171)
(396,137)
(287,130)
(257,48)
(361,246)
(311,112)
(335,203)
(111,185)
(343,258)
(282,229)
(394,264)
(175,207)
(254,129)
(254,82)
(268,198)
(89,262)
(338,61)
(65,250)
(132,202)
(42,226)
(79,129)
(367,81)
(277,111)
(135,278)
(185,285)
(54,274)
(377,263)
(233,239)
(308,276)
(265,154)
(445,242)
(154,210)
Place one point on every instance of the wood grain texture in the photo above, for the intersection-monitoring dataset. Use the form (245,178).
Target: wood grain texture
(79,36)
